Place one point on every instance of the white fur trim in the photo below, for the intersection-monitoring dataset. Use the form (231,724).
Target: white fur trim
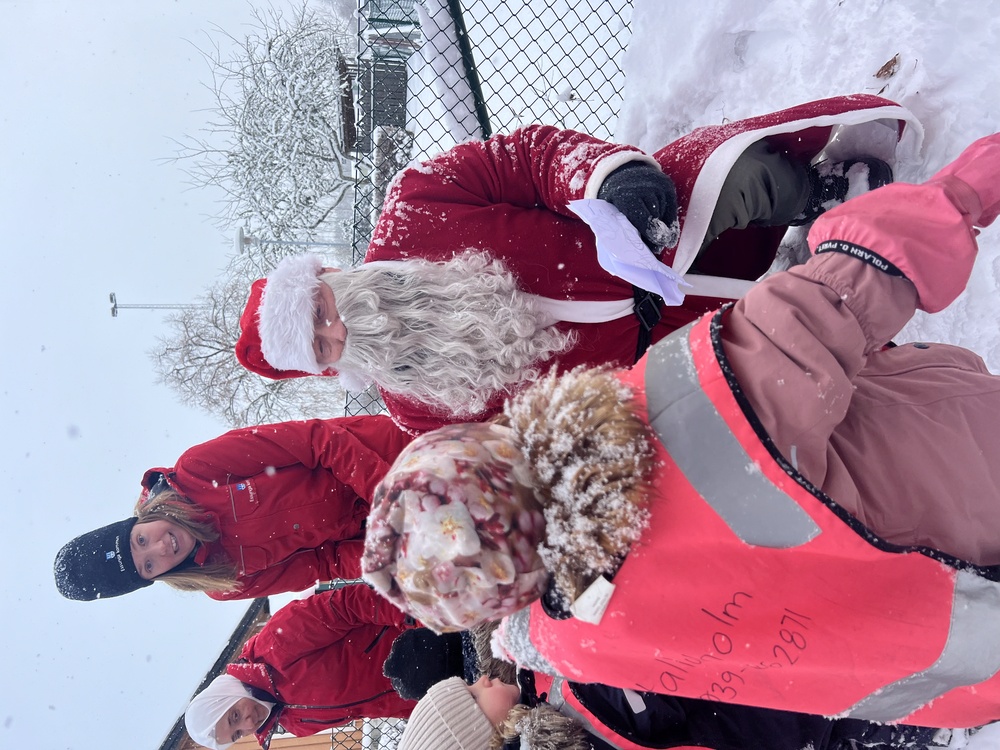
(717,286)
(708,183)
(609,164)
(286,314)
(584,311)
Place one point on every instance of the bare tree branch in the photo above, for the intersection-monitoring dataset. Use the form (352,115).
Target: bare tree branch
(275,142)
(198,362)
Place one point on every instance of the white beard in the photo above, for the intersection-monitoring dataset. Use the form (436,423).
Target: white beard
(451,334)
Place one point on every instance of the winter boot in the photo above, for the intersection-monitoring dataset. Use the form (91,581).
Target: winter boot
(832,183)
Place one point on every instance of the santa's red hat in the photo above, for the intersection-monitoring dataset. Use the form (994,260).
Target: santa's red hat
(277,326)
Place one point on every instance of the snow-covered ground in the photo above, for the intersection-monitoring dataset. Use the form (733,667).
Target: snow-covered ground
(694,63)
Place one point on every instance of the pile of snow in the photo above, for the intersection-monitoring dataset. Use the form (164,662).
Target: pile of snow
(693,63)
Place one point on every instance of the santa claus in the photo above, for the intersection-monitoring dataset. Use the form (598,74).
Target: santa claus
(479,276)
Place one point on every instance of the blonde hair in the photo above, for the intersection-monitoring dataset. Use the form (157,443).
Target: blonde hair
(486,663)
(216,575)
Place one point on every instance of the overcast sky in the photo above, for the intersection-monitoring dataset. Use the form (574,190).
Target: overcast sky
(92,93)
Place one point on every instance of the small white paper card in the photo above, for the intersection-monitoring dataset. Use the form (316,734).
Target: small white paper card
(635,701)
(621,251)
(590,605)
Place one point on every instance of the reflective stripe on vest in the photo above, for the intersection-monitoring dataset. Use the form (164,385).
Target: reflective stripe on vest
(761,514)
(757,512)
(971,655)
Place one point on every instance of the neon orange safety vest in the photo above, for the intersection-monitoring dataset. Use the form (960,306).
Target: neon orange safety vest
(751,586)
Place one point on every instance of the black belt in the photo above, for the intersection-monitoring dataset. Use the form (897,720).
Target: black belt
(647,309)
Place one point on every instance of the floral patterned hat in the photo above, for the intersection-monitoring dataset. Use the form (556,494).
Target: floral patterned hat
(453,533)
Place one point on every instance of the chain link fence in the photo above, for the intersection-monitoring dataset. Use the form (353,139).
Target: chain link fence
(513,62)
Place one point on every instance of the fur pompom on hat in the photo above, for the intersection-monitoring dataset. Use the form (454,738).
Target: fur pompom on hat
(277,327)
(544,728)
(98,564)
(453,533)
(447,718)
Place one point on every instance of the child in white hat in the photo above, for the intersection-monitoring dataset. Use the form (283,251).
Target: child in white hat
(551,714)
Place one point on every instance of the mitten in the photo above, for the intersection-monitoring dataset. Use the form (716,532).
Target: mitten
(922,232)
(977,167)
(646,197)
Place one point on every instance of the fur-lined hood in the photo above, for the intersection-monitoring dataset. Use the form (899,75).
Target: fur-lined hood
(538,728)
(590,457)
(542,728)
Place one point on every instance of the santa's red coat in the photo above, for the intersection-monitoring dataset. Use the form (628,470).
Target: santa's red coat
(509,196)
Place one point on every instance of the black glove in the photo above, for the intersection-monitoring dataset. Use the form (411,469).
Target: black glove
(646,197)
(419,658)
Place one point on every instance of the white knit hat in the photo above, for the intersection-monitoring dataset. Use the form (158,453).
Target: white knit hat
(210,705)
(286,314)
(447,718)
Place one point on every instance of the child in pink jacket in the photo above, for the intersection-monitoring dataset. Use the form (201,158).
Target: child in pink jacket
(772,508)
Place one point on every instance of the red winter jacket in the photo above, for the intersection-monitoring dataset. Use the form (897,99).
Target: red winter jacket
(321,659)
(289,499)
(509,196)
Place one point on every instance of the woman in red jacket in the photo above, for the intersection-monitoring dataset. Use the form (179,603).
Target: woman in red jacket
(257,511)
(316,664)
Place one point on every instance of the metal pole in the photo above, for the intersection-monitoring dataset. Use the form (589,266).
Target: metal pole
(339,583)
(469,62)
(116,306)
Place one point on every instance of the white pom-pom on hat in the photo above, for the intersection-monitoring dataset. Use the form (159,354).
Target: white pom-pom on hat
(286,314)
